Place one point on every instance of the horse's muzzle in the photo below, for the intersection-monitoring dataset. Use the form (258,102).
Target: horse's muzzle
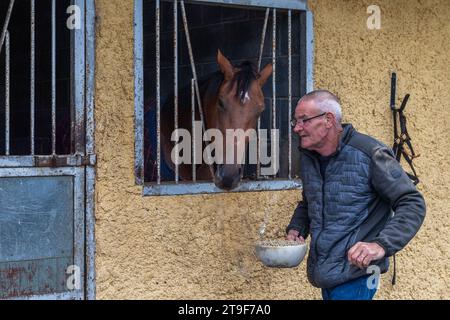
(228,176)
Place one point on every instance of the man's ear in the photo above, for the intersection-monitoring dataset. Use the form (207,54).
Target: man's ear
(225,66)
(265,74)
(331,119)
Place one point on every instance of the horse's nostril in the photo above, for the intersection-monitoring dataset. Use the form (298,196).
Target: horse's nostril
(218,172)
(227,183)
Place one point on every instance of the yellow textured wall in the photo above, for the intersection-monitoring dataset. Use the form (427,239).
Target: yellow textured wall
(201,246)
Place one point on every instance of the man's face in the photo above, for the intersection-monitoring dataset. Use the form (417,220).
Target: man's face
(312,132)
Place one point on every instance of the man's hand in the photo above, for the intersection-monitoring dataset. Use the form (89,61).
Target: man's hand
(363,253)
(293,235)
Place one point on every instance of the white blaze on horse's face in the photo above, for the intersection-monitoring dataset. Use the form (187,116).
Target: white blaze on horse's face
(239,109)
(246,98)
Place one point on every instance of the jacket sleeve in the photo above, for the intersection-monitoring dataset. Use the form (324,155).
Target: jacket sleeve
(300,218)
(394,186)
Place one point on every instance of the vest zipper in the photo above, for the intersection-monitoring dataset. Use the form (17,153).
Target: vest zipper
(323,205)
(323,201)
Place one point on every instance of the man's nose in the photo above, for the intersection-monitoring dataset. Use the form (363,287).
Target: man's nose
(298,128)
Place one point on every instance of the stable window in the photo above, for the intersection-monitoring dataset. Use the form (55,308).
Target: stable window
(176,48)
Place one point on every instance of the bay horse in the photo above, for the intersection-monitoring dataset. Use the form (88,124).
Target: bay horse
(232,98)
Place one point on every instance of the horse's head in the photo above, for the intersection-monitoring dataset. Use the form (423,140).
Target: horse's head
(238,105)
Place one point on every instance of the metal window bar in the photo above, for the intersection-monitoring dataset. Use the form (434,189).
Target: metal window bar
(158,93)
(263,37)
(7,93)
(139,92)
(175,83)
(32,74)
(309,35)
(274,87)
(290,92)
(258,129)
(6,24)
(79,84)
(53,77)
(194,145)
(90,76)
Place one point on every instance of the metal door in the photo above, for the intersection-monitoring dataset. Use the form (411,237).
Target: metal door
(46,200)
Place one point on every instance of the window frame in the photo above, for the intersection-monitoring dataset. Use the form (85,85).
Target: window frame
(189,187)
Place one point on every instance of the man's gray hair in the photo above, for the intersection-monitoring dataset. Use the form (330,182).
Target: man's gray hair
(326,102)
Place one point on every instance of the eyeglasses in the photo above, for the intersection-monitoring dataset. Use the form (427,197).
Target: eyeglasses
(295,122)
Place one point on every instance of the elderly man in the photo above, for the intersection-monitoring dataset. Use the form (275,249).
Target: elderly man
(358,204)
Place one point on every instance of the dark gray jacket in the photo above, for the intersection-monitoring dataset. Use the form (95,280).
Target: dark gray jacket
(363,183)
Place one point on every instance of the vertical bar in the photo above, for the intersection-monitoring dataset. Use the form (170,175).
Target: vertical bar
(138,93)
(261,49)
(191,56)
(290,91)
(194,73)
(32,75)
(263,37)
(79,227)
(7,88)
(90,75)
(274,93)
(274,53)
(78,77)
(53,77)
(194,167)
(309,52)
(90,233)
(175,81)
(90,170)
(158,93)
(5,25)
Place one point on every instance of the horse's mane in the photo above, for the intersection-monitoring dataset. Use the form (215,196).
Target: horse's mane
(210,84)
(244,78)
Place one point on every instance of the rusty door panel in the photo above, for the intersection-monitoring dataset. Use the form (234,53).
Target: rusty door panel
(34,277)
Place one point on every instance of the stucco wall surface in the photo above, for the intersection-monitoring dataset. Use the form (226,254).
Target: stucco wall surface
(201,246)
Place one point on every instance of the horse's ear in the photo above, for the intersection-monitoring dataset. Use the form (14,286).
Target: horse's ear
(264,74)
(225,65)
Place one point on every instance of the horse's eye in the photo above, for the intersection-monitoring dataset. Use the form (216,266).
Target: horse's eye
(221,105)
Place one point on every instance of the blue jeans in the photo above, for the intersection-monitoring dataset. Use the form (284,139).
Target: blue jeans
(356,289)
